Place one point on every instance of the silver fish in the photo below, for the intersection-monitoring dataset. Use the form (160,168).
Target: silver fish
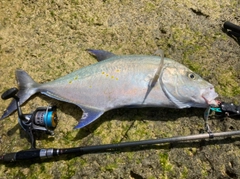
(120,81)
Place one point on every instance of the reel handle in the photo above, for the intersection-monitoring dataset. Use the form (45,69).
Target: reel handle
(10,93)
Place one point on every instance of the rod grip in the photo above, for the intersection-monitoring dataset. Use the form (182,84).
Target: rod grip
(21,155)
(231,26)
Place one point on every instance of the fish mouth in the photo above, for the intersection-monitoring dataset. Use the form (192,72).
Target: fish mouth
(212,102)
(209,97)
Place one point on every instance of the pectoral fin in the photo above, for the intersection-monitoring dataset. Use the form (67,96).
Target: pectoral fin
(89,115)
(159,69)
(157,74)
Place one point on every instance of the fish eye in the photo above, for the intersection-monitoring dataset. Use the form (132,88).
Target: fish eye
(191,75)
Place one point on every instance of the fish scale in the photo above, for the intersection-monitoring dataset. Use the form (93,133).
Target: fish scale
(98,84)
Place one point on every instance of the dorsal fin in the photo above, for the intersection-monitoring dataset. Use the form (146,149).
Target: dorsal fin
(100,55)
(159,69)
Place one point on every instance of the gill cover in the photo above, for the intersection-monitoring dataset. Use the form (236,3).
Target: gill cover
(170,80)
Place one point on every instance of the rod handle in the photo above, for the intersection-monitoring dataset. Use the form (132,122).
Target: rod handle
(231,26)
(29,155)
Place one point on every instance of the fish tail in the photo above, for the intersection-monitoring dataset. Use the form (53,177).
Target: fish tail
(26,86)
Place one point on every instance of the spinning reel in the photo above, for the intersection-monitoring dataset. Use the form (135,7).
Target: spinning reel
(42,119)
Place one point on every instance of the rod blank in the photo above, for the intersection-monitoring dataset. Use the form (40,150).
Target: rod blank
(46,153)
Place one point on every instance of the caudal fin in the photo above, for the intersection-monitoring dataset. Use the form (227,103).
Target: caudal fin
(26,86)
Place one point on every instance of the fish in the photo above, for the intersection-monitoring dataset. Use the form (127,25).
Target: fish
(117,81)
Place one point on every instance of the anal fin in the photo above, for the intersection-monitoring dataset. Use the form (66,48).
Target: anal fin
(89,115)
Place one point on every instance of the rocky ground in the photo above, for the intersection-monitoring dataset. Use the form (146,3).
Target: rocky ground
(48,39)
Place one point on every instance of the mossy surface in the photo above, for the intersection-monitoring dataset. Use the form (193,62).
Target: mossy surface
(48,40)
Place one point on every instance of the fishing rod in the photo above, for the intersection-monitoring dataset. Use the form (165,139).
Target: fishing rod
(44,119)
(52,152)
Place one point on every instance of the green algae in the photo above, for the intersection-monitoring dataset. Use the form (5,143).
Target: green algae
(228,84)
(110,167)
(165,164)
(184,173)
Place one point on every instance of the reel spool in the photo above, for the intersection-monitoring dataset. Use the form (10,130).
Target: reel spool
(46,118)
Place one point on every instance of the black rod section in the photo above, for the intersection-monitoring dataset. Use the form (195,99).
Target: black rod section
(231,26)
(109,147)
(46,153)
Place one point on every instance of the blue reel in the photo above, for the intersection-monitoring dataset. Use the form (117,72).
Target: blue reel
(42,119)
(46,117)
